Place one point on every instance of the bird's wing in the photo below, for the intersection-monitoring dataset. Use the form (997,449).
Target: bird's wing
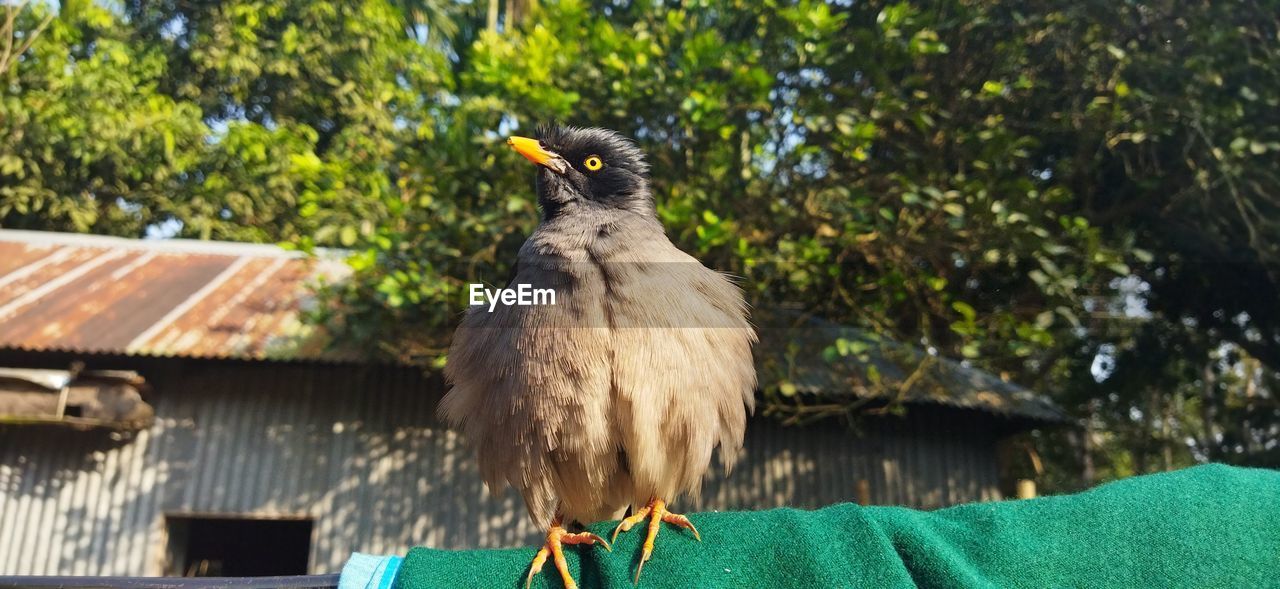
(683,376)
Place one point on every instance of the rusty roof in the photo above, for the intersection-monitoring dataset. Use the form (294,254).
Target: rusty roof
(204,299)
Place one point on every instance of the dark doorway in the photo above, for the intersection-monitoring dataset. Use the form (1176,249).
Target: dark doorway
(201,546)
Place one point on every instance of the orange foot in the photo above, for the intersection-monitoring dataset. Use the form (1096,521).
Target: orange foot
(556,536)
(657,512)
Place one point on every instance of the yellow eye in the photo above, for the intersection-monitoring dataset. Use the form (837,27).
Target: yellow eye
(593,163)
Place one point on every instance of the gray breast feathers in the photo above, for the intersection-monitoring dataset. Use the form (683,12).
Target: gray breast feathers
(618,392)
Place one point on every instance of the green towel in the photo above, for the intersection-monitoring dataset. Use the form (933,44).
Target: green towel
(1209,526)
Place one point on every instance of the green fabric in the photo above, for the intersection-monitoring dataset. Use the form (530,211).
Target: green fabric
(1209,526)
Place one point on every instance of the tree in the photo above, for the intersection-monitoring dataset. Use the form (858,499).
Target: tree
(17,39)
(1077,196)
(90,144)
(318,100)
(994,183)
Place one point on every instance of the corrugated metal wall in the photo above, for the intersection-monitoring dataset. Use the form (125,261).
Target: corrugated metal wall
(360,452)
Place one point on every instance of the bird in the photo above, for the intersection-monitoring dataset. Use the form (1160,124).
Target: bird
(613,399)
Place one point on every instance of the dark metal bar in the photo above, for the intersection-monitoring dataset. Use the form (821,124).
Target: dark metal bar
(293,582)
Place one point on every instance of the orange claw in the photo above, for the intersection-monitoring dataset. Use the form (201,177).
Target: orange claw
(556,537)
(657,512)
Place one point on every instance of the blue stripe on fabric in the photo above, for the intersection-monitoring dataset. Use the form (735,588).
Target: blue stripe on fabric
(389,573)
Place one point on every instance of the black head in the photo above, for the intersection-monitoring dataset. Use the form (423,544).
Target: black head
(587,168)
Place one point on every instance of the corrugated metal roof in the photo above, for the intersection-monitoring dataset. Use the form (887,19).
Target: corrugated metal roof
(818,357)
(203,299)
(207,299)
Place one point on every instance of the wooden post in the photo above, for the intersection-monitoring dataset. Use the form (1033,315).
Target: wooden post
(864,492)
(61,410)
(1026,489)
(72,373)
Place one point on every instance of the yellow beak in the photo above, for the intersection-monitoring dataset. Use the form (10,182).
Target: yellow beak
(532,150)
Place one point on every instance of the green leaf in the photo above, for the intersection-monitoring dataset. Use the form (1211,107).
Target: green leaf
(873,374)
(347,236)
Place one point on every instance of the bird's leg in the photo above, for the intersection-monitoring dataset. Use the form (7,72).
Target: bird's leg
(656,512)
(557,536)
